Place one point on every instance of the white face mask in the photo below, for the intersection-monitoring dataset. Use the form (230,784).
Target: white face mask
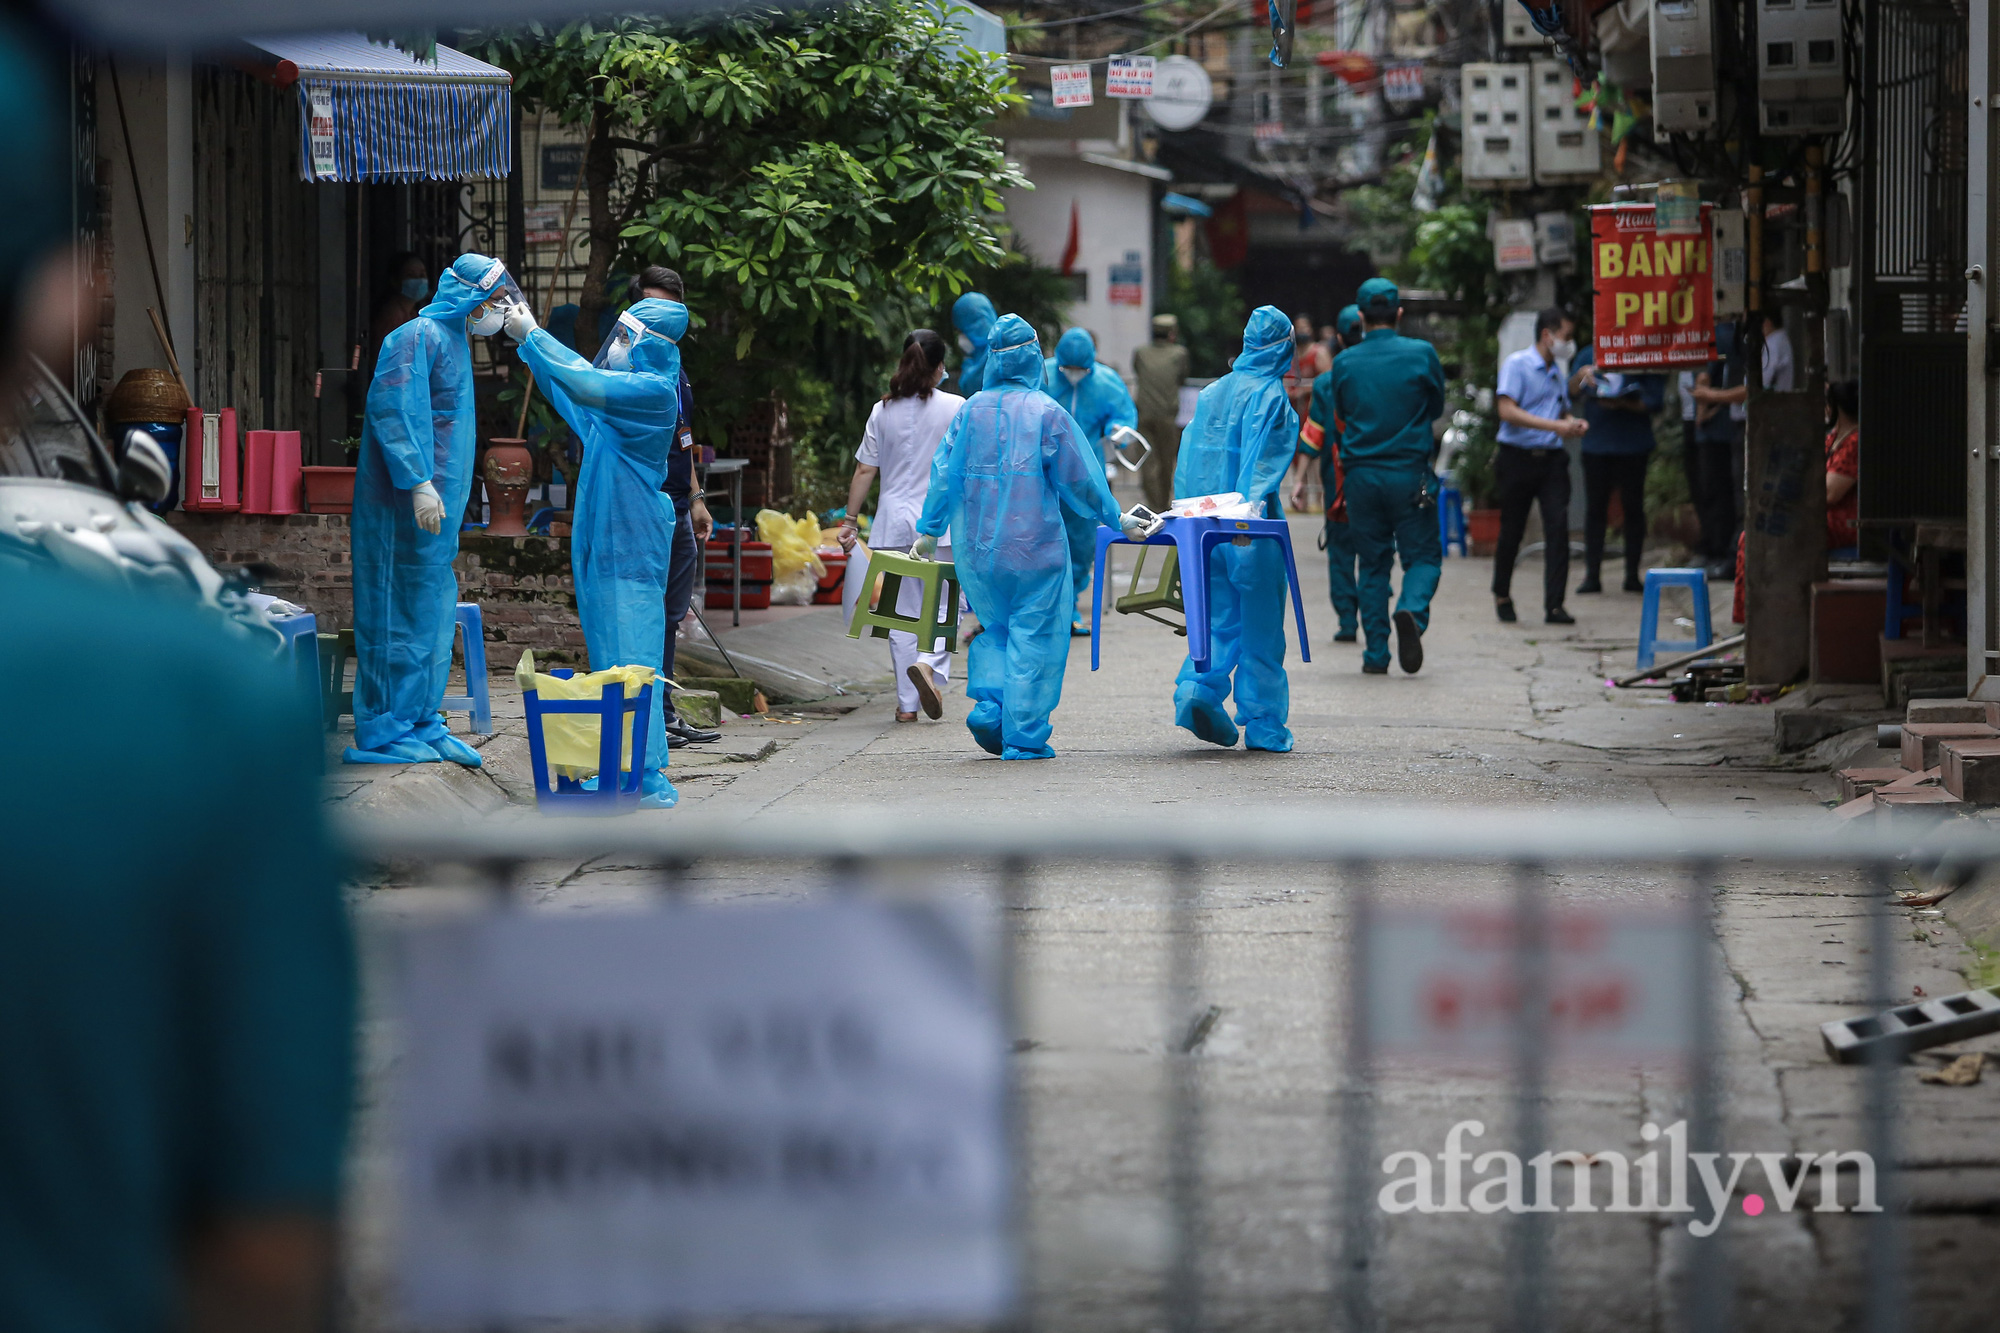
(965,344)
(1075,374)
(619,355)
(1564,351)
(488,319)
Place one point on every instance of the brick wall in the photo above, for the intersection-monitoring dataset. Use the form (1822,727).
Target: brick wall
(522,584)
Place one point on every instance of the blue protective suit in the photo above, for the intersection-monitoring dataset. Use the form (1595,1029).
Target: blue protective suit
(973,315)
(1242,438)
(419,426)
(1098,403)
(622,534)
(1008,467)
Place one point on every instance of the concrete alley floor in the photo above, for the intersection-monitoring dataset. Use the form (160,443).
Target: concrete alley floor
(1501,715)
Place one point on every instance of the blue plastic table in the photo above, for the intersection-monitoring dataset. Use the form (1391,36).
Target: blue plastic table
(1193,539)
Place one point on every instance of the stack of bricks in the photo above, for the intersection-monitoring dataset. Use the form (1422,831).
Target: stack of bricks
(1949,760)
(522,584)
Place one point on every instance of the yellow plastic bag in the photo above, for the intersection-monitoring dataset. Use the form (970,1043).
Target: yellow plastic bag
(796,568)
(572,741)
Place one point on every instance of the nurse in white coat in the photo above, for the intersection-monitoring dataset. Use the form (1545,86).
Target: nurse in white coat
(898,445)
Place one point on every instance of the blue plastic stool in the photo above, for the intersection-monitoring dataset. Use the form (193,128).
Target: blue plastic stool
(302,643)
(478,698)
(1696,582)
(569,796)
(1451,521)
(1193,539)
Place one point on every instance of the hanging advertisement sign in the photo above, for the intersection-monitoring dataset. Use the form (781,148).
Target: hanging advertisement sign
(324,165)
(1129,77)
(1070,84)
(1655,305)
(1403,84)
(1514,245)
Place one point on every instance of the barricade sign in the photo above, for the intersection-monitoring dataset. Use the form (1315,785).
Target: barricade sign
(702,1112)
(1448,984)
(1129,77)
(1070,85)
(1655,303)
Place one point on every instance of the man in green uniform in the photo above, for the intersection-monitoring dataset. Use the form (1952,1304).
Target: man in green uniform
(1159,367)
(1385,392)
(1319,439)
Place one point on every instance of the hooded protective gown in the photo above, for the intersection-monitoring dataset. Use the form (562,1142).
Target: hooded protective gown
(1096,403)
(1242,438)
(622,536)
(973,315)
(1009,466)
(419,426)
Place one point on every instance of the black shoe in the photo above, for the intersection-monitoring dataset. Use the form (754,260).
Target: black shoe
(1635,584)
(1370,669)
(1558,616)
(927,695)
(1590,585)
(1345,636)
(680,733)
(1504,608)
(1409,642)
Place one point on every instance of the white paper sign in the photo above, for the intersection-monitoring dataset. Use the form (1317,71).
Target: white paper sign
(1129,77)
(320,100)
(1070,84)
(702,1112)
(1445,984)
(1514,244)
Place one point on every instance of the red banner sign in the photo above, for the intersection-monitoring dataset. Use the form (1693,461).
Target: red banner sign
(1655,306)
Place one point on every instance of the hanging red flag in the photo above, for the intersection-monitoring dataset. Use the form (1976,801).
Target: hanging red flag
(1075,241)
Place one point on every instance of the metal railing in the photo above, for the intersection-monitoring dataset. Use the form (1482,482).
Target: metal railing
(1355,849)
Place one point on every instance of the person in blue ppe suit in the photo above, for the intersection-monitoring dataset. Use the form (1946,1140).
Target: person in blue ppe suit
(972,315)
(418,438)
(1242,438)
(625,410)
(1386,392)
(1319,438)
(1097,400)
(1008,467)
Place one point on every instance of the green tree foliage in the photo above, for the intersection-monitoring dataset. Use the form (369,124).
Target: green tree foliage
(1211,311)
(817,177)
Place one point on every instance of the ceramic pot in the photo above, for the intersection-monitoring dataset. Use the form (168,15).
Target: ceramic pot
(508,470)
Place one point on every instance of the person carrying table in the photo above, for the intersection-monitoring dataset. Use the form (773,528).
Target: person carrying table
(1242,439)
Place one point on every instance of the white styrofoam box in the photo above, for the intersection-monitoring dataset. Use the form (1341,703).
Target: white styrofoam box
(1515,29)
(1683,40)
(1566,148)
(1496,106)
(1798,50)
(1820,115)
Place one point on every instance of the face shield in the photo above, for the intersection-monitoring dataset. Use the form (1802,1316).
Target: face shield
(616,353)
(501,294)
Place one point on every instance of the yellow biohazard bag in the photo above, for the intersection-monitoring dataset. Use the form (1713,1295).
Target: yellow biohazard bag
(572,742)
(796,568)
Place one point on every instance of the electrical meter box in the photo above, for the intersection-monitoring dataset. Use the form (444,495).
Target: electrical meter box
(1515,29)
(1566,148)
(1799,87)
(1729,260)
(1683,38)
(1495,103)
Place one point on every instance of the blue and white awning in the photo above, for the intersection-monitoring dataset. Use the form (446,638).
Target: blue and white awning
(378,114)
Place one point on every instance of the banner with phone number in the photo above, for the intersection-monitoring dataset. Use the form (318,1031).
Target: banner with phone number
(1655,304)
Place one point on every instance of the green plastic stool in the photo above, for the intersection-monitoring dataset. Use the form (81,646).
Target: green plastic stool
(940,582)
(335,652)
(1164,595)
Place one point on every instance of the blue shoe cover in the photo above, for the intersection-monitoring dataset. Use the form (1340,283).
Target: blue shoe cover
(396,752)
(1206,720)
(984,724)
(1265,736)
(457,751)
(655,792)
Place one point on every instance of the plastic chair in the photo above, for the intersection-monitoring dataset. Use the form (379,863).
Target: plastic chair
(937,614)
(301,634)
(1164,595)
(1192,539)
(335,652)
(1696,582)
(1451,521)
(568,796)
(478,698)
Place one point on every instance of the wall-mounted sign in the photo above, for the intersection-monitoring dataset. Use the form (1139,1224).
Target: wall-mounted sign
(1128,280)
(561,163)
(1655,305)
(1129,77)
(542,224)
(1071,85)
(324,165)
(1182,93)
(1514,245)
(1403,84)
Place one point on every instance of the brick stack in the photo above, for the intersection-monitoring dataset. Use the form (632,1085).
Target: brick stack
(1950,757)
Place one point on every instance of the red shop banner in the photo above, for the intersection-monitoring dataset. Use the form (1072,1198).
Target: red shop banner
(1655,306)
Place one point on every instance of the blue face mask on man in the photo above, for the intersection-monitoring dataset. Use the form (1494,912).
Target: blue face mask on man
(417,289)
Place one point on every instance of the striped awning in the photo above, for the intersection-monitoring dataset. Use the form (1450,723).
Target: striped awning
(378,114)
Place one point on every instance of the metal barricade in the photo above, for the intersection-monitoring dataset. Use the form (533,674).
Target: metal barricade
(1515,849)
